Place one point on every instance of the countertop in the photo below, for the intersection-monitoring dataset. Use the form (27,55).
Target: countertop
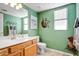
(9,42)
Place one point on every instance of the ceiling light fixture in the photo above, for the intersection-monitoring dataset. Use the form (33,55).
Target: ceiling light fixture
(6,3)
(12,5)
(20,5)
(16,5)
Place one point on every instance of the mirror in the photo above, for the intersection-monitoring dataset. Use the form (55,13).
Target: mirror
(12,19)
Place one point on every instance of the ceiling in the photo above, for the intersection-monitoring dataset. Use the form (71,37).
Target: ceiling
(38,7)
(7,9)
(43,6)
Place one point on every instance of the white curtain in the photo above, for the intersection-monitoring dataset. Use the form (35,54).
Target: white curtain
(76,34)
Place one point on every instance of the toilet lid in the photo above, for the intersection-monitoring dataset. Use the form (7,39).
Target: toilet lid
(41,43)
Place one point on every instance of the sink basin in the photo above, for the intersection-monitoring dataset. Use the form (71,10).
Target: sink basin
(6,41)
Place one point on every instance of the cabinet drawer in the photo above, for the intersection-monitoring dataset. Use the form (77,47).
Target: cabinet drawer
(18,53)
(20,46)
(4,52)
(15,48)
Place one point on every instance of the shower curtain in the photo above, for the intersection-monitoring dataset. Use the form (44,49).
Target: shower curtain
(76,34)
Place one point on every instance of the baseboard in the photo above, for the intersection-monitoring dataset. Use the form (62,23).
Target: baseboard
(59,51)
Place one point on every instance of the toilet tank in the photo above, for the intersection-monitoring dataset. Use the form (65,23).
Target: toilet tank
(37,38)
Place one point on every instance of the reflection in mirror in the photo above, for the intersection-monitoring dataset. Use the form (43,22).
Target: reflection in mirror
(12,16)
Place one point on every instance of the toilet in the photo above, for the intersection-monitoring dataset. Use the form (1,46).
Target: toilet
(41,46)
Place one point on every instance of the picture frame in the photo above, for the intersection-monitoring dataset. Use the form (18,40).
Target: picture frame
(33,22)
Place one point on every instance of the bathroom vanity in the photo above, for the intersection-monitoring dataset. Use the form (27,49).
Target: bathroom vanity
(19,47)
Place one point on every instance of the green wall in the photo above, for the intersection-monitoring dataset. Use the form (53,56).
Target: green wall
(31,32)
(11,19)
(53,38)
(77,9)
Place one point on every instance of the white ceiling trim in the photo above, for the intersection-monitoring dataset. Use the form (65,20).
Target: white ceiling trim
(38,7)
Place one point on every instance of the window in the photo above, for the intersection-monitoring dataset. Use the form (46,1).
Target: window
(25,21)
(60,19)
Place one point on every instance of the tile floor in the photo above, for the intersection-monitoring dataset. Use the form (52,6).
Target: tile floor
(52,52)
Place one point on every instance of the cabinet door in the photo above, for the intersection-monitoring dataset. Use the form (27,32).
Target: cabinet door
(31,50)
(27,51)
(17,53)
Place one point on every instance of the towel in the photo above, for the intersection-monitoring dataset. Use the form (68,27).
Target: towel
(77,23)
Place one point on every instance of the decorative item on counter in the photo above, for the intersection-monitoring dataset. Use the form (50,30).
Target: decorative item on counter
(12,31)
(44,22)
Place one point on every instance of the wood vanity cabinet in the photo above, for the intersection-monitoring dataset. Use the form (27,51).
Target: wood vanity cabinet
(28,48)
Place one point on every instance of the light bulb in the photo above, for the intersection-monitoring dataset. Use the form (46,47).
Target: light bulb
(17,7)
(20,5)
(12,5)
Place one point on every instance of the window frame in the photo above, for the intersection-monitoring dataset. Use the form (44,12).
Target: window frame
(60,19)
